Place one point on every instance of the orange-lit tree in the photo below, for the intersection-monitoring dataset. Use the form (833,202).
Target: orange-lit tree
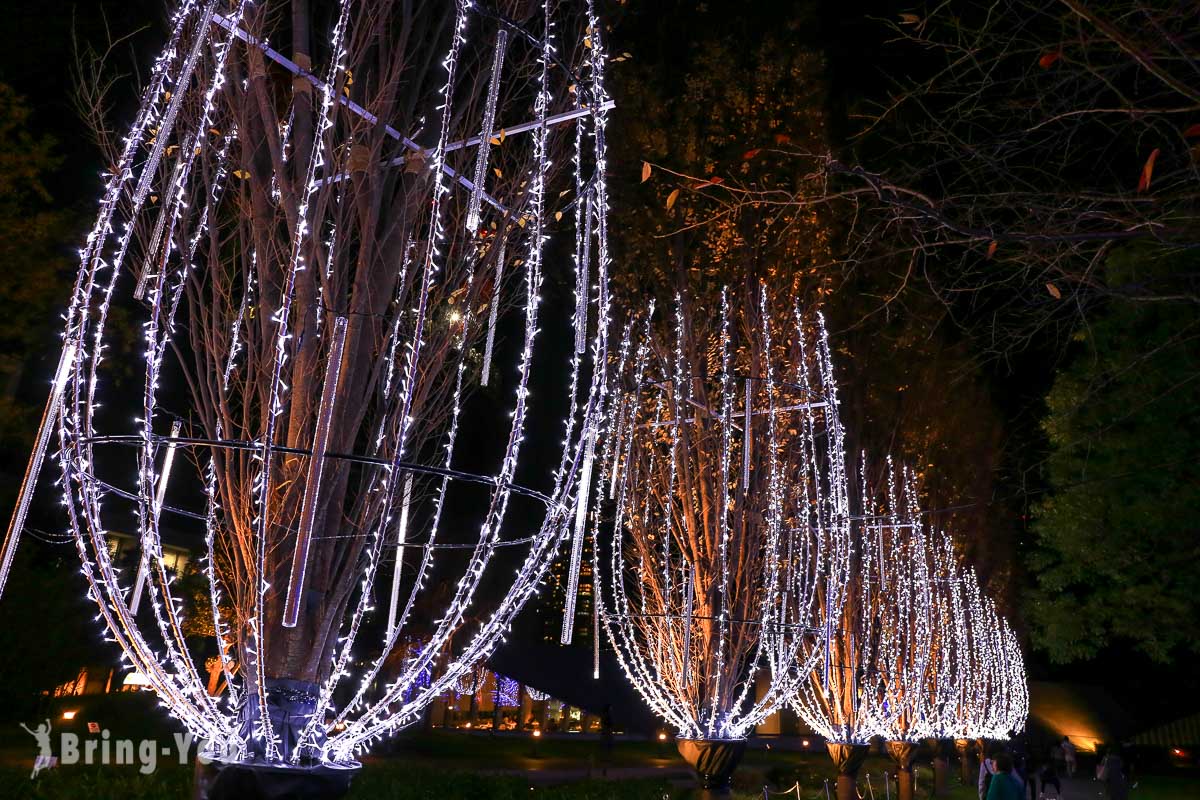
(725,536)
(916,651)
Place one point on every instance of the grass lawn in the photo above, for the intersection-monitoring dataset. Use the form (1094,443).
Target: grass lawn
(1166,787)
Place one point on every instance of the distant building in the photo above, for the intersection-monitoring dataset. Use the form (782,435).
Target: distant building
(553,597)
(126,547)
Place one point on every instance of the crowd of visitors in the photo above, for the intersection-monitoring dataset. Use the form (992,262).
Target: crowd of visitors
(1010,773)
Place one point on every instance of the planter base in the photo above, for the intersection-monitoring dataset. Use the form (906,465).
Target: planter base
(714,761)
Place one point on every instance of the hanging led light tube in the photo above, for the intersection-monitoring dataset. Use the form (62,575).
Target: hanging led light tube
(139,583)
(401,536)
(66,362)
(316,468)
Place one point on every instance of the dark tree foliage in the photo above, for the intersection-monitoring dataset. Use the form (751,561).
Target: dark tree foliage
(46,628)
(718,120)
(704,112)
(32,264)
(1118,558)
(1029,140)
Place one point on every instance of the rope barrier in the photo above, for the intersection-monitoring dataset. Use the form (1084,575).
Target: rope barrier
(870,793)
(767,793)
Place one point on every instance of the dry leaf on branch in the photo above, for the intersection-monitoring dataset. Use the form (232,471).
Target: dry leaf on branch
(1147,171)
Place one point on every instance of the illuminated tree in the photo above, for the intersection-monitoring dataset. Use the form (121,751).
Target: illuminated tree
(724,465)
(847,689)
(898,622)
(994,700)
(916,652)
(310,260)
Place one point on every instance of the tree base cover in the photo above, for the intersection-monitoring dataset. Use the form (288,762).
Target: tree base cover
(714,761)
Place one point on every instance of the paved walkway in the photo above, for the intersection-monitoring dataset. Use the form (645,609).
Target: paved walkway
(1077,788)
(539,773)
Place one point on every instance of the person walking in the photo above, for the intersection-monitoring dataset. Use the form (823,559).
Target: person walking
(1068,750)
(1058,757)
(1111,773)
(987,769)
(1032,771)
(1004,784)
(1018,751)
(1049,777)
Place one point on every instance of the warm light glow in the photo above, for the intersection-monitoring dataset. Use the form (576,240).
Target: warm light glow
(136,678)
(662,737)
(536,733)
(69,714)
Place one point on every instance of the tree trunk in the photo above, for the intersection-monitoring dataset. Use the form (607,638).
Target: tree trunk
(847,786)
(847,758)
(965,749)
(941,767)
(525,712)
(903,753)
